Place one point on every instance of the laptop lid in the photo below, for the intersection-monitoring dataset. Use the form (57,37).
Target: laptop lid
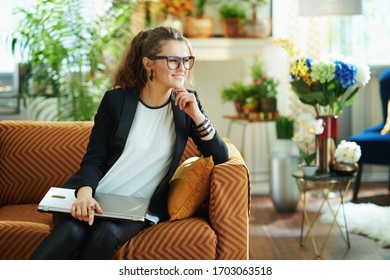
(114,206)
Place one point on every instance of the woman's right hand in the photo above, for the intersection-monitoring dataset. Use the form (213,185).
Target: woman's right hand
(85,206)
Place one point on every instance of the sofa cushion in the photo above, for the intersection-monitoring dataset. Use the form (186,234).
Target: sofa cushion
(22,229)
(189,187)
(32,157)
(24,212)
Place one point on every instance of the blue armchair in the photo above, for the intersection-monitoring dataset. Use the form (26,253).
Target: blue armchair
(375,146)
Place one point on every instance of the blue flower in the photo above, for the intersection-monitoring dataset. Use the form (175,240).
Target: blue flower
(345,73)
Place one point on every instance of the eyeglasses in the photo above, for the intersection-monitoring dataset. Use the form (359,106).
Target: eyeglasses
(173,62)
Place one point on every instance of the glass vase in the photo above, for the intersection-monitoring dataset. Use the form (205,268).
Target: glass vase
(326,144)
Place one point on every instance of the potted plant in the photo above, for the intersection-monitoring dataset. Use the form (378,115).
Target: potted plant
(308,128)
(250,108)
(255,26)
(198,25)
(238,93)
(232,18)
(265,89)
(284,127)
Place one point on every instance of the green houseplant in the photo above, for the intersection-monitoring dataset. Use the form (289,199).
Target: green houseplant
(284,127)
(237,92)
(257,26)
(258,96)
(267,86)
(67,55)
(264,88)
(200,7)
(254,4)
(232,17)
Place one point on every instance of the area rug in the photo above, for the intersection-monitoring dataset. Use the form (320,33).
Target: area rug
(366,219)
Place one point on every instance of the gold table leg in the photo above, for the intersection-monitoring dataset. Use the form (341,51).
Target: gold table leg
(330,185)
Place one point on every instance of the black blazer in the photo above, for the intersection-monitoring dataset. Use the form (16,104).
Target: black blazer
(112,124)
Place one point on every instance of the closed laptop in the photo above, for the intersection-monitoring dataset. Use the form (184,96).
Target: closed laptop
(113,206)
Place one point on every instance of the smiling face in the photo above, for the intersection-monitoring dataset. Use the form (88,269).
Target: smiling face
(162,74)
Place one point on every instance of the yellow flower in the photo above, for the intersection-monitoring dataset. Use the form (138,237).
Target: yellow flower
(288,46)
(300,70)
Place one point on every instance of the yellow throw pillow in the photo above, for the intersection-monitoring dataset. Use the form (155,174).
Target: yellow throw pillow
(189,187)
(386,128)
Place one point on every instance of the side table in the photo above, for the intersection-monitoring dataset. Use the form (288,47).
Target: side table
(325,183)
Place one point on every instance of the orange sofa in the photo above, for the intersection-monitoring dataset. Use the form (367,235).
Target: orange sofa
(36,155)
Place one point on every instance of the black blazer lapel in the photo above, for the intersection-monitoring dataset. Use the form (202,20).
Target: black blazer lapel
(181,125)
(128,109)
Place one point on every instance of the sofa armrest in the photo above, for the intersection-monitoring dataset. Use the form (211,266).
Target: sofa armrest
(230,205)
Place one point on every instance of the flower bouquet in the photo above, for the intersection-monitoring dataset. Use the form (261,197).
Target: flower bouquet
(347,155)
(328,84)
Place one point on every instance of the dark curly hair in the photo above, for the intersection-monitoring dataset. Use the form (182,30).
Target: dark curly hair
(131,72)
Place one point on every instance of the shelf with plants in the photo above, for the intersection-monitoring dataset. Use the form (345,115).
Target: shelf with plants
(215,18)
(256,100)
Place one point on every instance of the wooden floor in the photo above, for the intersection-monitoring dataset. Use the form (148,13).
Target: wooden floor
(275,236)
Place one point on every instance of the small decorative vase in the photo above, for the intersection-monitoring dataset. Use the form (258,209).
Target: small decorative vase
(284,160)
(259,28)
(309,170)
(326,144)
(345,168)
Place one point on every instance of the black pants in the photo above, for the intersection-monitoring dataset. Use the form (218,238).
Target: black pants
(74,239)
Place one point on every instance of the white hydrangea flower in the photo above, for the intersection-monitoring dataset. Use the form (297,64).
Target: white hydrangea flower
(348,152)
(363,71)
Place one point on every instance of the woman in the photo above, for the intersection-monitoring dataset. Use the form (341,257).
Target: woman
(139,135)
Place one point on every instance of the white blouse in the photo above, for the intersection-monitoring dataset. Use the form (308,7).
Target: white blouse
(147,155)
